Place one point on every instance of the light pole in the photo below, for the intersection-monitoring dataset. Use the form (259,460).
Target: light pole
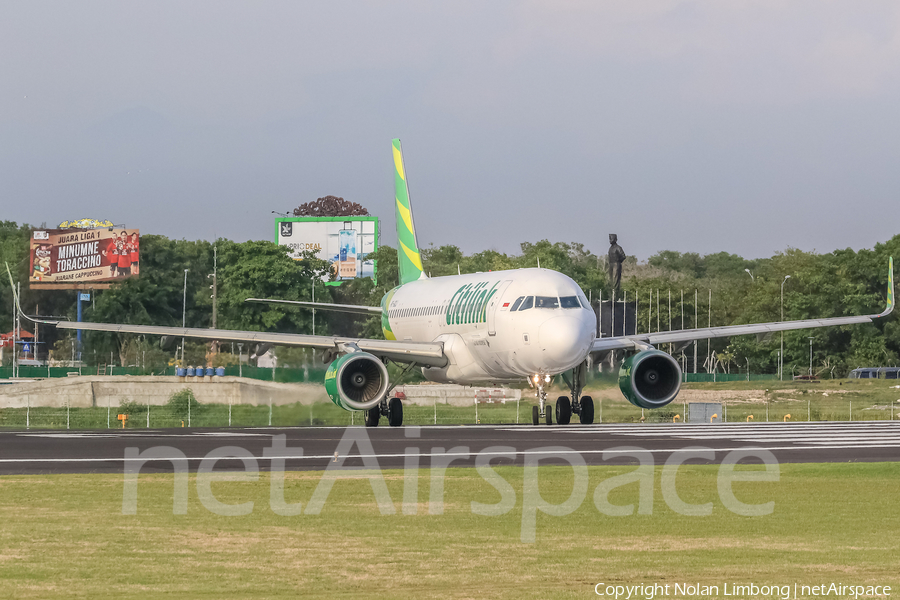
(750,274)
(183,312)
(810,357)
(214,346)
(781,351)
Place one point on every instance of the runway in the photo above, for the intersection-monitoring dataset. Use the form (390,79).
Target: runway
(313,448)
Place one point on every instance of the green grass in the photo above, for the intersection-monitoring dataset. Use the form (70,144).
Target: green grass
(289,415)
(821,401)
(827,400)
(66,536)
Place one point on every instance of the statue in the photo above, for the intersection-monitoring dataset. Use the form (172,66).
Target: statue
(616,258)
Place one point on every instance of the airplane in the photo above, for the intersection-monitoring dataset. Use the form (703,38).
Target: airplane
(480,328)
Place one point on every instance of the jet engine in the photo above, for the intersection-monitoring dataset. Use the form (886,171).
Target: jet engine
(650,379)
(260,349)
(356,381)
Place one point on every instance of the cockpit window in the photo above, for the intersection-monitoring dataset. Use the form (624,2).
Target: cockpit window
(527,303)
(516,304)
(569,302)
(546,302)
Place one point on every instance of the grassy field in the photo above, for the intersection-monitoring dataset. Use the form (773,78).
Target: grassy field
(817,401)
(826,400)
(66,536)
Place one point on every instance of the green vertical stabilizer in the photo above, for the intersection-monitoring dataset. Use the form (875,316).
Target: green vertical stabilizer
(407,248)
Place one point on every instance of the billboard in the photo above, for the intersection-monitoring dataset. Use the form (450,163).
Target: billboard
(345,242)
(82,256)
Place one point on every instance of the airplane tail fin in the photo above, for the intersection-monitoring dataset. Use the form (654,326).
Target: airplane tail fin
(407,248)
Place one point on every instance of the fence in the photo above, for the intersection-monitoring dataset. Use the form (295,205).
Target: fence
(723,377)
(142,416)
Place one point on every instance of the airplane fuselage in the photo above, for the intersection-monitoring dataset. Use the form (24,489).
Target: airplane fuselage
(495,326)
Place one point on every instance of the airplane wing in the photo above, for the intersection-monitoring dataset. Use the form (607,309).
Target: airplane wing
(371,311)
(641,341)
(424,353)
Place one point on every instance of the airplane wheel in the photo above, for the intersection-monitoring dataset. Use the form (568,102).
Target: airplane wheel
(395,412)
(373,415)
(548,414)
(563,410)
(587,410)
(535,415)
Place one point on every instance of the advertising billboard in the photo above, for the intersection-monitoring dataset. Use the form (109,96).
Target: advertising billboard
(75,257)
(345,242)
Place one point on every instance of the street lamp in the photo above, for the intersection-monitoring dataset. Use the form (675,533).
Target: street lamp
(781,351)
(810,357)
(750,274)
(183,312)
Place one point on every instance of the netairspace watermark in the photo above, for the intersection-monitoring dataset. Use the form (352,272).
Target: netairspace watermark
(649,591)
(440,459)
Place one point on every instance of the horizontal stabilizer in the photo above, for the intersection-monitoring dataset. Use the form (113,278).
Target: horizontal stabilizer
(348,308)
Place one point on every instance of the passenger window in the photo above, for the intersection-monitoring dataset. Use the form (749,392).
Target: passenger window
(527,303)
(569,302)
(546,302)
(516,304)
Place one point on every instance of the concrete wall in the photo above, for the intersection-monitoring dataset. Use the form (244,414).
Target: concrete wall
(454,395)
(94,390)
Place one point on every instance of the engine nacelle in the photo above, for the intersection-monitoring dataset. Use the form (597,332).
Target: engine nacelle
(650,379)
(356,381)
(260,349)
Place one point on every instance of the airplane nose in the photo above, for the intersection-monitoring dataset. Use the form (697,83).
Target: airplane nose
(564,342)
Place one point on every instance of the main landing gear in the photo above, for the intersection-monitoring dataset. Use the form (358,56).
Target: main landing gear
(583,406)
(392,409)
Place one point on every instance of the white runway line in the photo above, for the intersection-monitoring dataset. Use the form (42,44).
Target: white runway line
(552,454)
(142,434)
(873,434)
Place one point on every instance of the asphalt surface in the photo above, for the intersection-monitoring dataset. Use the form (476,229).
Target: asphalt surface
(106,451)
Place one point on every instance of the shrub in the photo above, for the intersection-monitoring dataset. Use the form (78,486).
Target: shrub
(182,401)
(132,409)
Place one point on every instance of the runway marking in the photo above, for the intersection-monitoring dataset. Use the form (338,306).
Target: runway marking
(866,434)
(143,434)
(610,451)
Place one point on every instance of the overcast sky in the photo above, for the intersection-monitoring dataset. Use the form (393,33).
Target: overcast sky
(747,127)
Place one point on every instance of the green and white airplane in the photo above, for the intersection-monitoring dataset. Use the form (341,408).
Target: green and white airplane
(487,328)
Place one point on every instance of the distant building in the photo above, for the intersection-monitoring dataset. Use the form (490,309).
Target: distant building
(875,373)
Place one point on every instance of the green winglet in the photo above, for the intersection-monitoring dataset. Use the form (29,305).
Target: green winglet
(408,249)
(890,292)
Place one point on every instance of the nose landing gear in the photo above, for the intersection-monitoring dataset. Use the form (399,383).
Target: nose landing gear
(542,410)
(583,406)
